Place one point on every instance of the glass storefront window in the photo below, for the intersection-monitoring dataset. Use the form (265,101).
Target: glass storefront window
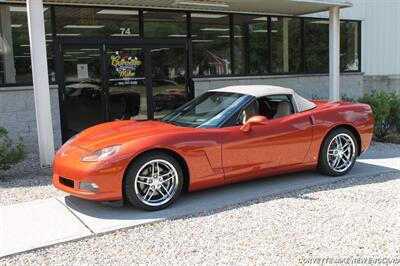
(250,44)
(96,22)
(15,56)
(168,79)
(349,45)
(210,38)
(286,44)
(316,43)
(164,24)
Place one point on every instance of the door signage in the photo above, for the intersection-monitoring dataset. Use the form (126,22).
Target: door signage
(126,67)
(83,71)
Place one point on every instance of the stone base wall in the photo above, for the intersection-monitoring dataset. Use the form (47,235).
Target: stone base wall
(17,115)
(387,82)
(309,86)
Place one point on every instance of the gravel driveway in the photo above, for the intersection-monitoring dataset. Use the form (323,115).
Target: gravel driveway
(358,217)
(26,181)
(351,218)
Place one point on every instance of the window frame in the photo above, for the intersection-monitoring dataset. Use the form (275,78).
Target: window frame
(231,40)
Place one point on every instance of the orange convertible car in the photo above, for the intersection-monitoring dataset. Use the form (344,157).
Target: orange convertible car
(223,136)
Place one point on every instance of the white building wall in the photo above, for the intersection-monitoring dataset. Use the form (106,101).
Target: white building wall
(382,37)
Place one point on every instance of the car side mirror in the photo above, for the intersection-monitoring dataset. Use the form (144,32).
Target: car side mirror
(254,120)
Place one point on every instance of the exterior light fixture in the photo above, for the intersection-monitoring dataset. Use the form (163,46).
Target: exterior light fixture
(83,26)
(118,12)
(202,4)
(203,15)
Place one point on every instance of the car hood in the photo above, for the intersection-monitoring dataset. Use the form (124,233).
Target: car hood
(119,132)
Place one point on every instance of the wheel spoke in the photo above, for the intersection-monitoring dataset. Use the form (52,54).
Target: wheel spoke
(144,177)
(166,174)
(142,182)
(337,142)
(152,194)
(165,189)
(160,190)
(336,163)
(158,169)
(346,145)
(166,180)
(147,193)
(152,169)
(333,162)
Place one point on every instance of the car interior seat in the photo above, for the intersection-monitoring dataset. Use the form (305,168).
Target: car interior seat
(284,108)
(251,110)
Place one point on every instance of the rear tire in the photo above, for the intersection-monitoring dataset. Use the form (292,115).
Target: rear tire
(153,181)
(338,152)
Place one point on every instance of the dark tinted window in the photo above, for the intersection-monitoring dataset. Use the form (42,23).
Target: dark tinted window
(286,44)
(210,37)
(316,42)
(15,55)
(349,45)
(164,24)
(251,44)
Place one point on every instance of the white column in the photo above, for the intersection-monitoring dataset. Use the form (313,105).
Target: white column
(334,53)
(40,81)
(6,44)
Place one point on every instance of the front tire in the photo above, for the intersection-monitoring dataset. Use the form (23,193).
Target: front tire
(338,152)
(153,181)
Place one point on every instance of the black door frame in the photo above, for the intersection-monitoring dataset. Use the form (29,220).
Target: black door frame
(124,42)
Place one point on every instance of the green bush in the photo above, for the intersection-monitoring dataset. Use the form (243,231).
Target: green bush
(386,109)
(347,98)
(394,116)
(9,154)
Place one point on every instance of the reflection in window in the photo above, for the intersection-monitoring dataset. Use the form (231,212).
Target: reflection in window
(210,37)
(96,22)
(127,84)
(286,44)
(349,45)
(316,42)
(168,79)
(251,44)
(15,56)
(164,24)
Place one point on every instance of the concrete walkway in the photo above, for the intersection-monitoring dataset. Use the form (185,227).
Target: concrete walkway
(36,224)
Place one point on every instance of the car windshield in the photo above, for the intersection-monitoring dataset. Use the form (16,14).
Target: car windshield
(209,110)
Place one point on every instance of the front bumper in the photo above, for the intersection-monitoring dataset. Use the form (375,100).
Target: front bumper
(69,172)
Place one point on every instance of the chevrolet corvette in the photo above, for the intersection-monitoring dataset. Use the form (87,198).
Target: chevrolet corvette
(224,136)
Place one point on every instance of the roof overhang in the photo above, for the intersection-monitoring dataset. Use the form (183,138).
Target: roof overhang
(278,7)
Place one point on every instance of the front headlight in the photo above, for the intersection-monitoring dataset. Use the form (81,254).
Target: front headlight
(102,154)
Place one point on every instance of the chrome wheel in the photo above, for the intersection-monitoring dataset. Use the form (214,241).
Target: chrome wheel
(156,182)
(341,153)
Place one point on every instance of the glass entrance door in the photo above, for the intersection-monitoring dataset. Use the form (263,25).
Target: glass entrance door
(127,92)
(83,95)
(120,82)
